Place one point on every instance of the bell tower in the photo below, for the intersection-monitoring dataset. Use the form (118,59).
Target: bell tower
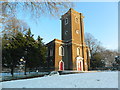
(73,39)
(72,27)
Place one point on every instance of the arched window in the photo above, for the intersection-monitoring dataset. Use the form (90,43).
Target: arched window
(89,53)
(61,51)
(66,21)
(51,51)
(78,51)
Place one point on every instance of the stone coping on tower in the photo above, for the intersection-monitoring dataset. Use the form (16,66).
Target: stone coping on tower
(71,10)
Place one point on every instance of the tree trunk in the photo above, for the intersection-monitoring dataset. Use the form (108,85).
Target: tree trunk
(12,70)
(25,69)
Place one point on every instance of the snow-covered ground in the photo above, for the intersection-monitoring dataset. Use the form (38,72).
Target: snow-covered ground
(80,80)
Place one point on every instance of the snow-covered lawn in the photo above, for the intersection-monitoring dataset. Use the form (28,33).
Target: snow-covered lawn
(80,80)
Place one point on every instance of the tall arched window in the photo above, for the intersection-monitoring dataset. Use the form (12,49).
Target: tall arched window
(61,51)
(78,51)
(51,51)
(89,53)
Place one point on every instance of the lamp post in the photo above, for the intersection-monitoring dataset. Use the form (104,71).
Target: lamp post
(23,62)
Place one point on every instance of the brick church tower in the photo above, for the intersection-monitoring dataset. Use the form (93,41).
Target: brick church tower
(70,53)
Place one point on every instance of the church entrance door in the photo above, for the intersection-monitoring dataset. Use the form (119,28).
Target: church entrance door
(79,64)
(61,65)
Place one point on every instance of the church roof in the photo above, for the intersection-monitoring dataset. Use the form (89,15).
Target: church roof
(53,41)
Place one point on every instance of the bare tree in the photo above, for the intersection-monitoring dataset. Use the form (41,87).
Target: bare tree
(30,8)
(12,25)
(109,57)
(93,44)
(99,52)
(35,8)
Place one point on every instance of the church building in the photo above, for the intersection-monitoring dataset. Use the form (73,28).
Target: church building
(70,53)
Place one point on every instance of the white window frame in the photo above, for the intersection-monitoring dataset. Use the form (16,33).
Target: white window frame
(66,19)
(51,51)
(77,32)
(89,53)
(61,53)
